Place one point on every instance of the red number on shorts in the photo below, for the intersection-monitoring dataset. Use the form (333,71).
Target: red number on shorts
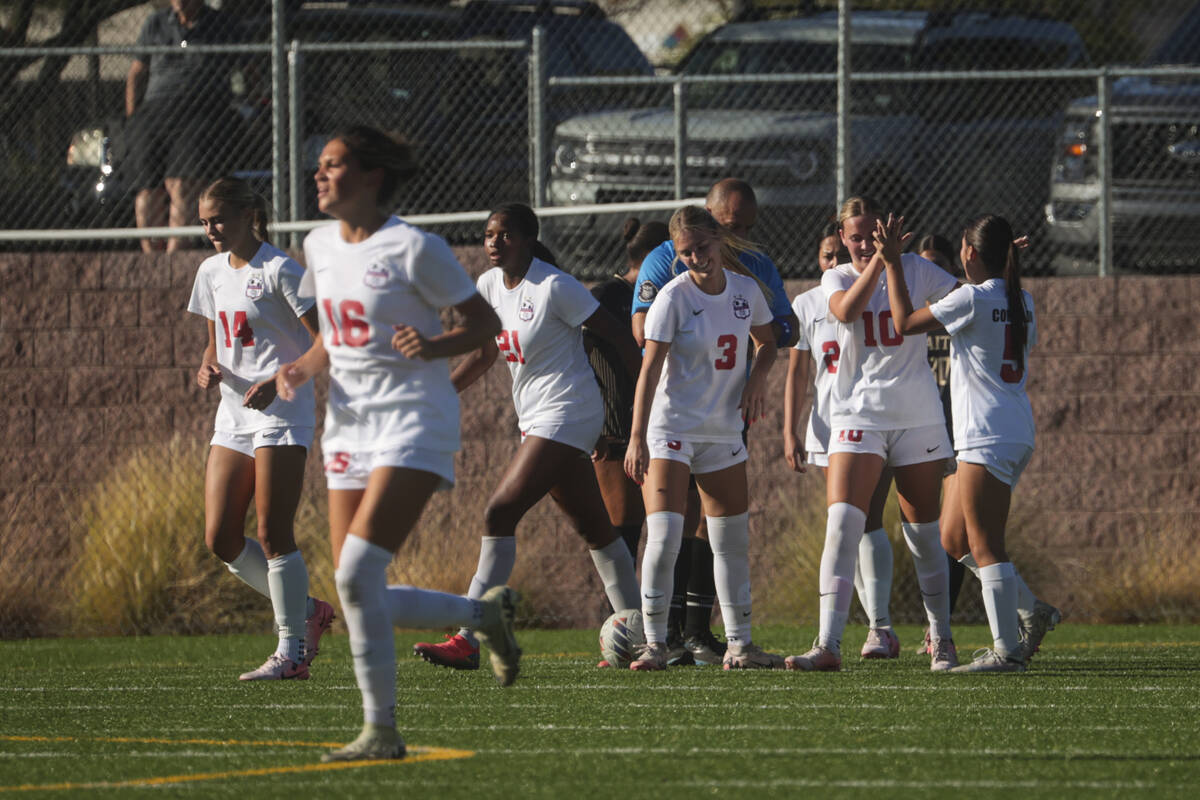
(351,326)
(849,436)
(1010,372)
(241,329)
(729,345)
(510,345)
(338,463)
(832,354)
(887,333)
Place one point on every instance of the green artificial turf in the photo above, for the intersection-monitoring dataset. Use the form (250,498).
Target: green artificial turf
(1104,711)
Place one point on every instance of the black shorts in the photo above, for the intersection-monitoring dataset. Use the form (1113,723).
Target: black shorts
(162,141)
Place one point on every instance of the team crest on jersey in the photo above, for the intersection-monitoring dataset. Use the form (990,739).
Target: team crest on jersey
(647,292)
(376,276)
(254,287)
(741,307)
(526,312)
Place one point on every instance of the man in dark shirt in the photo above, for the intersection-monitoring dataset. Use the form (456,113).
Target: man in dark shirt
(179,111)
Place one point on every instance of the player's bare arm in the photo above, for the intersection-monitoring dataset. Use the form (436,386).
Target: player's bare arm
(795,390)
(479,325)
(754,396)
(638,323)
(637,454)
(209,373)
(907,321)
(294,375)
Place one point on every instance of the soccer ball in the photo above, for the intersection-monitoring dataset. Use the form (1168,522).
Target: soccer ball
(620,635)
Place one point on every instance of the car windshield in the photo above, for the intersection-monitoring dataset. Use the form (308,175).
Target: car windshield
(1182,47)
(745,57)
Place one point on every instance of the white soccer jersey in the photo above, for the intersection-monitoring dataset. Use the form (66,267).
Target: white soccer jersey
(256,311)
(542,343)
(818,335)
(380,399)
(987,389)
(701,385)
(883,380)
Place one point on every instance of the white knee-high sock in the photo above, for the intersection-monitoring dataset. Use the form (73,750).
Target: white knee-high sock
(843,531)
(730,541)
(933,575)
(1000,601)
(1025,597)
(362,586)
(875,566)
(250,567)
(664,532)
(410,607)
(288,578)
(614,565)
(497,555)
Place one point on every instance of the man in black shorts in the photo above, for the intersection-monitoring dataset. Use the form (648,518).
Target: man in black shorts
(181,123)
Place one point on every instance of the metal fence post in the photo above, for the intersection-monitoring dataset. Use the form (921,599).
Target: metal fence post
(1104,168)
(537,117)
(295,137)
(681,139)
(278,193)
(843,102)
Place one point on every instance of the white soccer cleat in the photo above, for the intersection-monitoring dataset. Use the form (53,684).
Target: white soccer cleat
(375,743)
(277,668)
(496,631)
(750,656)
(881,643)
(943,655)
(1034,628)
(987,660)
(818,659)
(650,657)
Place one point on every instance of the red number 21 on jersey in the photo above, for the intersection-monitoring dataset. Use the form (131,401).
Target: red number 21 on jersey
(510,345)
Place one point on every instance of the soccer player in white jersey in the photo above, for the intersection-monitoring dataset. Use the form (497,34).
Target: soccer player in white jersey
(392,422)
(818,339)
(249,292)
(992,328)
(692,396)
(559,412)
(884,410)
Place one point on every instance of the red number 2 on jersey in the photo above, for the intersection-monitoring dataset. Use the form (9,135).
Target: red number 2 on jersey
(510,345)
(351,327)
(729,346)
(832,354)
(1009,371)
(241,329)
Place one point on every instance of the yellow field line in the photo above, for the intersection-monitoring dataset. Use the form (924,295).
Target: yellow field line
(415,755)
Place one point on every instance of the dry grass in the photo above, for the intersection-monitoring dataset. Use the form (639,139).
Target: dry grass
(1155,579)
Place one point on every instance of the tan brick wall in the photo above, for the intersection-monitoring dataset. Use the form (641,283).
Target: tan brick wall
(97,356)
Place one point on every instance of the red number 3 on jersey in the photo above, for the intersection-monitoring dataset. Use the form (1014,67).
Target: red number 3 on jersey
(729,346)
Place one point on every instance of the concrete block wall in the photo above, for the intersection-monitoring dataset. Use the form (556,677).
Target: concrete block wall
(98,354)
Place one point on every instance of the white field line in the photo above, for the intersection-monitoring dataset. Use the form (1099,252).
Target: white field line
(800,707)
(952,684)
(938,783)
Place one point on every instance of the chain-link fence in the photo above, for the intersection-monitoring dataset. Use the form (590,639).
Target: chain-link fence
(942,114)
